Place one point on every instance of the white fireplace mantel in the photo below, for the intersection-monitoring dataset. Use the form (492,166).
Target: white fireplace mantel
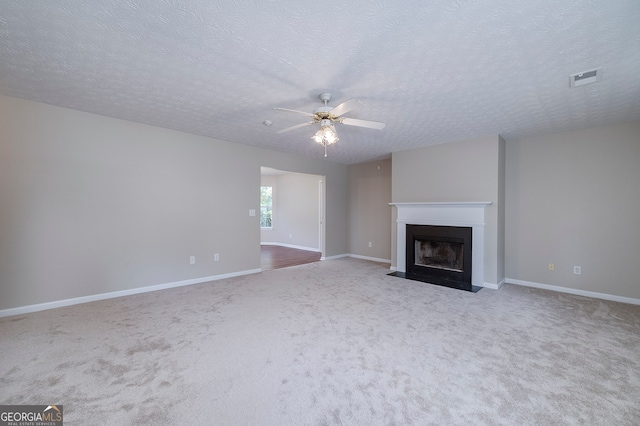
(469,214)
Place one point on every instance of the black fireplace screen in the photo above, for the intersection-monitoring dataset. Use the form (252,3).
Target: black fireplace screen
(439,254)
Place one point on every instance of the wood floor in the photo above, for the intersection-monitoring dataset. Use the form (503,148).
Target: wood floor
(275,257)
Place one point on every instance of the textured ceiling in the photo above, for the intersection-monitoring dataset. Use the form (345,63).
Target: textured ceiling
(434,71)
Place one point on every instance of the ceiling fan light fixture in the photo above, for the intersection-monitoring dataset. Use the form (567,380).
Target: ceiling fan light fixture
(327,135)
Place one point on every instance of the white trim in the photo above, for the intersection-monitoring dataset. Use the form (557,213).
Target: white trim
(445,204)
(436,222)
(320,215)
(102,296)
(337,256)
(293,246)
(493,286)
(373,259)
(577,292)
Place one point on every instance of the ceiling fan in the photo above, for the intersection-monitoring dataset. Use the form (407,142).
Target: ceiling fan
(326,116)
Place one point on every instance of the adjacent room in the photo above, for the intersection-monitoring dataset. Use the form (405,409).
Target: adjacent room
(331,213)
(291,218)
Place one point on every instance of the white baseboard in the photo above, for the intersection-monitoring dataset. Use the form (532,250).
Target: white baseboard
(373,259)
(585,293)
(356,256)
(316,249)
(95,297)
(490,285)
(337,256)
(494,286)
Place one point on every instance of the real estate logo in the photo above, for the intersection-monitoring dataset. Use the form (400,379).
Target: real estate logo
(31,415)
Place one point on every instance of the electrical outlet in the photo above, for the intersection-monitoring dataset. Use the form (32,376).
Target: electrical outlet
(370,244)
(216,257)
(552,267)
(577,270)
(192,260)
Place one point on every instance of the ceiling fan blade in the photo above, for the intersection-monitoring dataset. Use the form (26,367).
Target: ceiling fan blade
(308,114)
(362,123)
(346,106)
(297,126)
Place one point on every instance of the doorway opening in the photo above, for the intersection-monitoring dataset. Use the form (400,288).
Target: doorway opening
(296,210)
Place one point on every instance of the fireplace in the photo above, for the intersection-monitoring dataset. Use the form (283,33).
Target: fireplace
(439,255)
(461,258)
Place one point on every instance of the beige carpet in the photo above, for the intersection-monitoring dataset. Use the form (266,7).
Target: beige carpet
(332,342)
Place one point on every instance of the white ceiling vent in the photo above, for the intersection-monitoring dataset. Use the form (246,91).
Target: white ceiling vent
(585,77)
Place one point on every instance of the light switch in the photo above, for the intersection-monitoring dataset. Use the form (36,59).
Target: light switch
(252,212)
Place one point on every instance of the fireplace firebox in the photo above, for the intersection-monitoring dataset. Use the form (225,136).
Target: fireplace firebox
(439,255)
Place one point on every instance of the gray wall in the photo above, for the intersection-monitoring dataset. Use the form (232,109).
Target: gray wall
(369,209)
(298,202)
(296,210)
(469,170)
(574,199)
(91,204)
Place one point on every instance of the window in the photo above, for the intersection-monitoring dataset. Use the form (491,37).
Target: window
(266,207)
